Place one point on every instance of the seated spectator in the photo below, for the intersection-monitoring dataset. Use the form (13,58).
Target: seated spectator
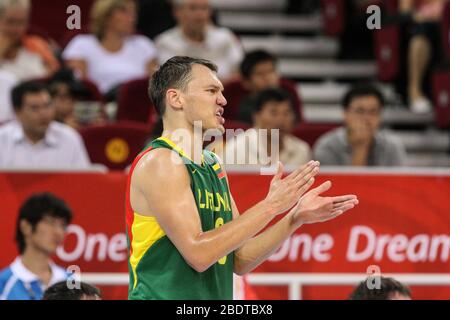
(112,54)
(66,92)
(390,289)
(40,229)
(7,82)
(196,36)
(273,109)
(61,291)
(258,72)
(424,48)
(361,142)
(35,140)
(22,55)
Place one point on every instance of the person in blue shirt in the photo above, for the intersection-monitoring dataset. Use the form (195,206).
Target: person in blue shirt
(41,227)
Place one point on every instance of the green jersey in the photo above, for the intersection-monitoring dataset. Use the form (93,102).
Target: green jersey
(157,269)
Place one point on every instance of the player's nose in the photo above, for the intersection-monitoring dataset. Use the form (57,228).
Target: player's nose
(221,101)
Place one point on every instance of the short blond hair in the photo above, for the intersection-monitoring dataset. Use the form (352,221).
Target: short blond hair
(5,4)
(100,13)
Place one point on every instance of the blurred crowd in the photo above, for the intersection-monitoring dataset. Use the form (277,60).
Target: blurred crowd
(54,93)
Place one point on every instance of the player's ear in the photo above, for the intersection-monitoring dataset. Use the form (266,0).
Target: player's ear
(174,98)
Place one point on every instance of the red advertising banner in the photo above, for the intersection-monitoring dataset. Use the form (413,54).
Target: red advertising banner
(401,227)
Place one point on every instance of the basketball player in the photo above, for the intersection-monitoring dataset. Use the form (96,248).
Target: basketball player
(186,235)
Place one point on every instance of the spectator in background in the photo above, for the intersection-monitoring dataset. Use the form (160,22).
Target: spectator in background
(273,109)
(258,72)
(361,142)
(22,55)
(196,36)
(424,48)
(66,91)
(35,140)
(112,54)
(40,229)
(61,291)
(390,289)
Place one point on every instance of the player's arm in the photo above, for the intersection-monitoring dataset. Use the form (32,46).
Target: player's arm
(165,185)
(311,208)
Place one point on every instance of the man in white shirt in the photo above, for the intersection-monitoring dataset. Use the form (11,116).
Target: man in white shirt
(35,140)
(196,36)
(259,146)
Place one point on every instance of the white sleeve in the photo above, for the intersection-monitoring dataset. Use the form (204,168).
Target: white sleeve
(80,157)
(78,48)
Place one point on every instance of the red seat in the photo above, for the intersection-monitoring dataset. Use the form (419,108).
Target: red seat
(446,30)
(235,92)
(309,132)
(115,145)
(333,13)
(94,92)
(133,102)
(441,97)
(387,48)
(391,7)
(51,16)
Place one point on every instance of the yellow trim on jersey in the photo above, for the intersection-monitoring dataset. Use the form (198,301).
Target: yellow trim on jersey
(146,231)
(216,167)
(177,148)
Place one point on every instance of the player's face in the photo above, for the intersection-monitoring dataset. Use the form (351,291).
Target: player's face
(48,234)
(204,100)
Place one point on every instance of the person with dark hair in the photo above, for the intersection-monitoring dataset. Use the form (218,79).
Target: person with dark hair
(72,291)
(40,229)
(360,142)
(35,140)
(273,110)
(67,92)
(258,72)
(185,234)
(389,289)
(197,36)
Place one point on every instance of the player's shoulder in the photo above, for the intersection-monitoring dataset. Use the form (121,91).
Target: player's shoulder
(161,163)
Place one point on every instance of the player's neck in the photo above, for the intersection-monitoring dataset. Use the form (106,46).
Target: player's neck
(188,139)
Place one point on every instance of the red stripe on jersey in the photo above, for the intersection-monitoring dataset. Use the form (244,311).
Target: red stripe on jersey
(129,213)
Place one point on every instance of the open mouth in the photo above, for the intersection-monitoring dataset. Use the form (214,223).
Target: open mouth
(219,117)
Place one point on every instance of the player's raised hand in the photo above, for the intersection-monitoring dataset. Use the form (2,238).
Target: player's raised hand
(286,192)
(314,208)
